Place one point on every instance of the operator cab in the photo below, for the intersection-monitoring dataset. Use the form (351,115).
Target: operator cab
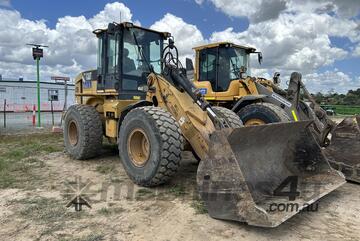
(222,63)
(127,54)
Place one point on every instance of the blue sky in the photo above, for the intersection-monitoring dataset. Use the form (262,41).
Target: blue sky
(318,38)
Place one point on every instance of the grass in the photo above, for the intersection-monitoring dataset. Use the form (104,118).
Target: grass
(104,211)
(19,158)
(144,194)
(110,211)
(46,210)
(199,207)
(177,190)
(105,169)
(116,180)
(41,209)
(344,109)
(92,237)
(49,212)
(89,237)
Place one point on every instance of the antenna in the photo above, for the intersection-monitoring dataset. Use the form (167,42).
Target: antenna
(120,17)
(38,45)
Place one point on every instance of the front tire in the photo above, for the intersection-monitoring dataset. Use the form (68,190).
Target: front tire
(150,145)
(262,113)
(229,116)
(83,132)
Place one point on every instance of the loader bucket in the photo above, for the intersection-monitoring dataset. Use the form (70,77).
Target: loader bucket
(248,172)
(344,149)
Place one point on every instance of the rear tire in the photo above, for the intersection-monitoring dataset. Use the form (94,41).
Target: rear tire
(230,117)
(83,132)
(262,113)
(150,145)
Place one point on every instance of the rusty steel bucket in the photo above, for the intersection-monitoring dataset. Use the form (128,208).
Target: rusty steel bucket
(249,171)
(344,149)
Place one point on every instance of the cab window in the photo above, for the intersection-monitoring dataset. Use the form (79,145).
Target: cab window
(208,66)
(112,54)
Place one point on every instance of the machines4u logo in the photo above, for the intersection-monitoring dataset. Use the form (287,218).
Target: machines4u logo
(289,188)
(78,194)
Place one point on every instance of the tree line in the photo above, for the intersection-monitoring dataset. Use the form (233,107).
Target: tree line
(352,97)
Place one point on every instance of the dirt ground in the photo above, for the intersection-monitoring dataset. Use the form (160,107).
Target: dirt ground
(37,180)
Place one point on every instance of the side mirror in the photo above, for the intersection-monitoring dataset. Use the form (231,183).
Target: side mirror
(189,64)
(276,78)
(260,57)
(171,43)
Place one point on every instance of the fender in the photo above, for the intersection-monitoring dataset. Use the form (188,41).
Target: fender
(247,100)
(129,108)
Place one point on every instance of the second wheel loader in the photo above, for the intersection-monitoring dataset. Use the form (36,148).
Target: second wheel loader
(139,98)
(222,73)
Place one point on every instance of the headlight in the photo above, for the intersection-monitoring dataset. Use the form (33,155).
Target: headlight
(143,88)
(87,76)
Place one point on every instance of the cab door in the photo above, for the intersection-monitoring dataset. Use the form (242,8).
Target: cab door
(207,81)
(100,64)
(111,68)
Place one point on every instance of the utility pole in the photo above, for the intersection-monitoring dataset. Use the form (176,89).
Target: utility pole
(38,90)
(38,53)
(4,113)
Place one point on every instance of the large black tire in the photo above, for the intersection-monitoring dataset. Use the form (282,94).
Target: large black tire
(231,118)
(161,153)
(83,132)
(262,113)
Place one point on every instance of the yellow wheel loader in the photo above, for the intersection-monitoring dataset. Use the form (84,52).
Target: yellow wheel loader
(222,74)
(140,98)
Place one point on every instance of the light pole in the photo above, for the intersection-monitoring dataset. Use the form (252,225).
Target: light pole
(38,53)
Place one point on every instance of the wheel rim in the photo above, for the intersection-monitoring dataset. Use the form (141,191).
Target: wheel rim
(138,147)
(254,122)
(73,133)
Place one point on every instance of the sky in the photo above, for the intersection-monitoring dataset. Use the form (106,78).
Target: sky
(320,39)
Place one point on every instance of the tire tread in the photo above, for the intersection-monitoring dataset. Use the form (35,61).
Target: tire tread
(172,145)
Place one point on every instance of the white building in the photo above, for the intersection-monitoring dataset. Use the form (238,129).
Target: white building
(21,95)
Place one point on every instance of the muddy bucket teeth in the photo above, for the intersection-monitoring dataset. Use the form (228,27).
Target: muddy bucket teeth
(344,149)
(263,175)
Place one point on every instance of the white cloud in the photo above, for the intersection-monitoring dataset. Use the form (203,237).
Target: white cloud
(111,13)
(186,35)
(292,42)
(72,43)
(337,80)
(296,36)
(262,10)
(356,52)
(342,8)
(255,10)
(293,35)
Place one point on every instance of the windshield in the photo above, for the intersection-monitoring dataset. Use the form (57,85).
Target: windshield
(231,60)
(141,49)
(150,45)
